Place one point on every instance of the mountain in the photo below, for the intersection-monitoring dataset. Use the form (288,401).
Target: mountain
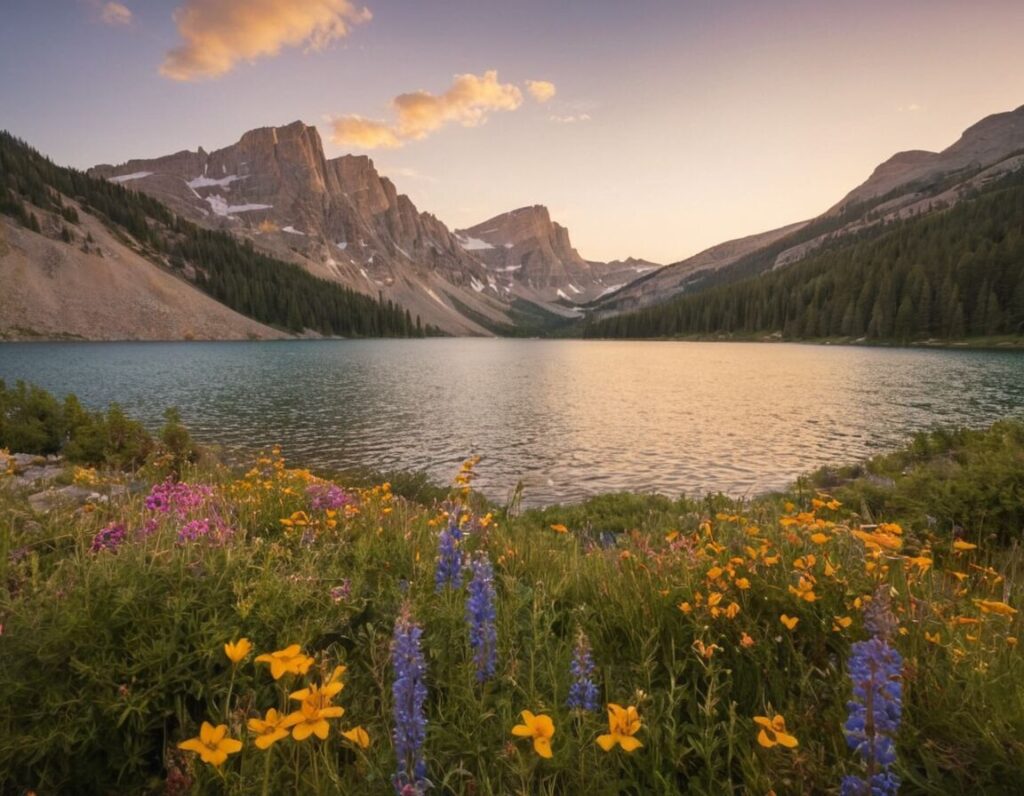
(532,255)
(85,257)
(953,272)
(907,185)
(105,291)
(338,218)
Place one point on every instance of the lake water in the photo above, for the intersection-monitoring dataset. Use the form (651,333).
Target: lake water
(569,418)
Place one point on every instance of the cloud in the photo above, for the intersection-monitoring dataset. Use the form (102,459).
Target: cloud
(570,118)
(116,14)
(217,34)
(913,107)
(541,90)
(363,133)
(419,113)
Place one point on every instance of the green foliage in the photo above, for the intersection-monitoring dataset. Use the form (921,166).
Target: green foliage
(971,481)
(178,448)
(266,289)
(33,421)
(947,275)
(111,658)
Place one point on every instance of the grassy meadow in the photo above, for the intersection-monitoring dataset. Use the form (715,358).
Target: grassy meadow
(382,640)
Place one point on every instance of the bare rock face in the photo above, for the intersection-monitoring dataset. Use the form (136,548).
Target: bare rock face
(338,218)
(991,140)
(535,253)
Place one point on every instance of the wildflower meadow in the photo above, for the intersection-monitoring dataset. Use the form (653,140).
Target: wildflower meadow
(208,630)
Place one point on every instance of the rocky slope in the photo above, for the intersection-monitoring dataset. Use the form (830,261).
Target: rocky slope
(55,289)
(908,184)
(337,217)
(533,257)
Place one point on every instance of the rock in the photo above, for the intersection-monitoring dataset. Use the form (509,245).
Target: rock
(39,475)
(339,218)
(23,460)
(538,256)
(64,496)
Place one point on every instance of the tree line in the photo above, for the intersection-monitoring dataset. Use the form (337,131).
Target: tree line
(950,274)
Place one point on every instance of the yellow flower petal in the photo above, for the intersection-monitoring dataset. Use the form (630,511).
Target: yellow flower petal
(358,736)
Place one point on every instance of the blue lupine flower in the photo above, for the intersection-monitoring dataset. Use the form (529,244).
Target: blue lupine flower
(409,693)
(449,555)
(876,670)
(480,614)
(583,691)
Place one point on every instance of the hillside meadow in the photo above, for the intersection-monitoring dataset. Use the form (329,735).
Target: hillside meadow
(199,628)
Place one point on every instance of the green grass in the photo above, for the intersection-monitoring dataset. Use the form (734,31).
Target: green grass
(109,659)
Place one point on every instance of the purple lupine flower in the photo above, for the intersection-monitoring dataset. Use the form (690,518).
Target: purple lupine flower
(177,497)
(583,691)
(876,670)
(109,538)
(409,694)
(449,555)
(481,614)
(327,496)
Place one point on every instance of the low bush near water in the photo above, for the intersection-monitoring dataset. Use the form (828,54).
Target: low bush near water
(275,632)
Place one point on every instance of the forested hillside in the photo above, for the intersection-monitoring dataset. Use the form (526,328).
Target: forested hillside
(948,275)
(269,290)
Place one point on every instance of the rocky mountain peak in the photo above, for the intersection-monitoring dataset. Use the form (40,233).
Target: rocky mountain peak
(984,143)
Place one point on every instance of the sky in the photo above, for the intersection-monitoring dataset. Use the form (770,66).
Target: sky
(652,128)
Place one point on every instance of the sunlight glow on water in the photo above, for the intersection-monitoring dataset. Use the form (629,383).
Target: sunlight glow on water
(569,418)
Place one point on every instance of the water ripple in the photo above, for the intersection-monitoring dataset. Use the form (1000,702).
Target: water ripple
(568,418)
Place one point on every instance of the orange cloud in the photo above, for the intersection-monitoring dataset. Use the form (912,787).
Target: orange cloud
(363,133)
(541,90)
(468,102)
(217,34)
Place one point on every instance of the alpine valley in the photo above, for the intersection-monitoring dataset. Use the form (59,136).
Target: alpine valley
(268,237)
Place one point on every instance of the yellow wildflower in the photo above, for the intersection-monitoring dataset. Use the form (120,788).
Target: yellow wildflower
(742,584)
(934,638)
(269,730)
(236,651)
(995,607)
(705,651)
(960,544)
(314,710)
(746,641)
(212,744)
(819,538)
(773,732)
(685,607)
(623,724)
(841,622)
(789,621)
(559,528)
(290,660)
(540,728)
(358,736)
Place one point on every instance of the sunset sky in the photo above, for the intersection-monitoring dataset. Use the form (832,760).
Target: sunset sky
(653,128)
